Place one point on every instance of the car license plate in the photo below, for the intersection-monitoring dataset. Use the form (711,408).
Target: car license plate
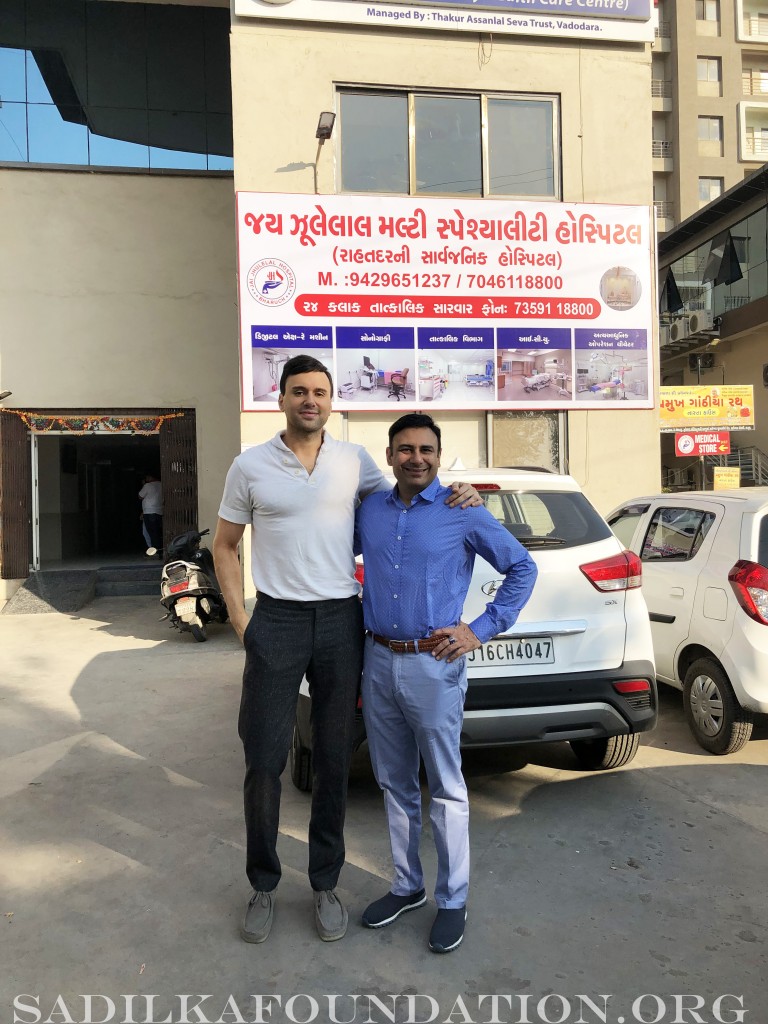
(539,650)
(185,606)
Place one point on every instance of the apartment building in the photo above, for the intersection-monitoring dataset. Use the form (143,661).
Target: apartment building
(710,101)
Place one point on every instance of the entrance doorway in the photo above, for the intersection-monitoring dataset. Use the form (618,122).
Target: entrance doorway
(69,483)
(88,509)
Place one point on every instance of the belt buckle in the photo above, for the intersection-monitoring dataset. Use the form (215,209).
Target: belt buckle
(391,644)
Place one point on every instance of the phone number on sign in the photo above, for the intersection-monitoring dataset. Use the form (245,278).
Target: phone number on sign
(398,279)
(457,306)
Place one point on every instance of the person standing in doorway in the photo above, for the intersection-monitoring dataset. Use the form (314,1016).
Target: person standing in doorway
(418,566)
(298,493)
(151,495)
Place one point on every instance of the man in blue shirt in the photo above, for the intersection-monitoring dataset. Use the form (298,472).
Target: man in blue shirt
(418,565)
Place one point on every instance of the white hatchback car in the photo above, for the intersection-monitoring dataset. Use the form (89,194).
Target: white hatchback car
(705,580)
(578,664)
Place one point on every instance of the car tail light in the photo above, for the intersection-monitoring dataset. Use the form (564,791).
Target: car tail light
(631,685)
(176,587)
(620,572)
(636,692)
(360,573)
(750,585)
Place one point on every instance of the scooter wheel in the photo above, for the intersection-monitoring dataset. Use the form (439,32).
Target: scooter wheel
(198,632)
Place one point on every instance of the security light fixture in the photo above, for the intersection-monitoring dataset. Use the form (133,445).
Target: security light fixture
(5,394)
(325,125)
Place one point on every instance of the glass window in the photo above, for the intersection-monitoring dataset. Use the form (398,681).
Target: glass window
(707,10)
(13,131)
(13,87)
(528,438)
(55,136)
(448,148)
(521,147)
(374,142)
(451,154)
(625,523)
(118,138)
(675,534)
(708,69)
(709,189)
(97,82)
(711,129)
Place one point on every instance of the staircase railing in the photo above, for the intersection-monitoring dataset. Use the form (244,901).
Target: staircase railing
(752,462)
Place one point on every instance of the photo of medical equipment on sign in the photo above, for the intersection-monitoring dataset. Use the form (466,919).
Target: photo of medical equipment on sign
(534,365)
(456,365)
(611,365)
(268,357)
(375,366)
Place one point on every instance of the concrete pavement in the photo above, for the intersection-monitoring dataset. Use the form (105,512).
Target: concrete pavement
(595,897)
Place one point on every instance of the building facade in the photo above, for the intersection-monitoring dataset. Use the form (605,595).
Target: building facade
(710,102)
(118,299)
(713,270)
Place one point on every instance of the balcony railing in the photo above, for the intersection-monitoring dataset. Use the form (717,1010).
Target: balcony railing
(757,146)
(661,87)
(754,83)
(664,209)
(756,26)
(661,148)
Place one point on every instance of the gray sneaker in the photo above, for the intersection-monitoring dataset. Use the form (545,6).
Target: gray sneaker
(258,917)
(330,916)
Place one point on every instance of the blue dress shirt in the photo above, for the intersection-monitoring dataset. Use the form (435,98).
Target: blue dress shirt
(418,565)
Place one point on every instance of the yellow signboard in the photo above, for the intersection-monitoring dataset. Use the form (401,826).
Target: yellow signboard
(719,407)
(727,477)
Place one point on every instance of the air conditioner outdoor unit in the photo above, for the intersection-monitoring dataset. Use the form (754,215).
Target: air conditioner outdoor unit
(679,329)
(700,322)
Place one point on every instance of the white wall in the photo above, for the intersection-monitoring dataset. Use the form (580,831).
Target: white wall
(119,290)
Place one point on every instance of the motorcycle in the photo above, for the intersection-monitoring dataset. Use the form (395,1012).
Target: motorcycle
(189,588)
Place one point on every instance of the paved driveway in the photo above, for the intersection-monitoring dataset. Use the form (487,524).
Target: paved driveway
(637,895)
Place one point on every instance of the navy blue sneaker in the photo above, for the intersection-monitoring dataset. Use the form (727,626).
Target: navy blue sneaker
(390,907)
(448,930)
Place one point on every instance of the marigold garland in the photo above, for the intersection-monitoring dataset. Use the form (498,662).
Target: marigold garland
(42,423)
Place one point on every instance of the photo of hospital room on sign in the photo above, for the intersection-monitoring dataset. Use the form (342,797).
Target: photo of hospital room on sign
(375,365)
(611,365)
(534,365)
(456,365)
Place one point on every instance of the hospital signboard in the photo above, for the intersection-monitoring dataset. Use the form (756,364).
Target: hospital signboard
(585,20)
(464,304)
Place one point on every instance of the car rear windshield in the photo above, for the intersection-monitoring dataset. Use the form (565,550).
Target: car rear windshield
(547,519)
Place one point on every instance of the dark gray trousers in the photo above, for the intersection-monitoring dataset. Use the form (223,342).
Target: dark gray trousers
(283,641)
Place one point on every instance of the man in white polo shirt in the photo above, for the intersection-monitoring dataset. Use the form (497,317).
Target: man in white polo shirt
(298,492)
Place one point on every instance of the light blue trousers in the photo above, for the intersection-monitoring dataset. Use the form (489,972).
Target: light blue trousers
(413,704)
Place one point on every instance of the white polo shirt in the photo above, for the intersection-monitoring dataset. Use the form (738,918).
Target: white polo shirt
(302,524)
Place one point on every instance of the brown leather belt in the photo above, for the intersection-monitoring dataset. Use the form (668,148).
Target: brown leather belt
(408,646)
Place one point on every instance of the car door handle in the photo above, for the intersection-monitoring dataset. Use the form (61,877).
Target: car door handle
(677,592)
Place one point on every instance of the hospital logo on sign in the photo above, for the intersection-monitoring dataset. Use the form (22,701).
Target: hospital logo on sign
(271,282)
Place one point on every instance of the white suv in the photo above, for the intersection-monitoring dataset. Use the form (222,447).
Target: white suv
(705,580)
(578,664)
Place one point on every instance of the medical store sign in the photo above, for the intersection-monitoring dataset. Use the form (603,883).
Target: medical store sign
(720,407)
(456,303)
(601,20)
